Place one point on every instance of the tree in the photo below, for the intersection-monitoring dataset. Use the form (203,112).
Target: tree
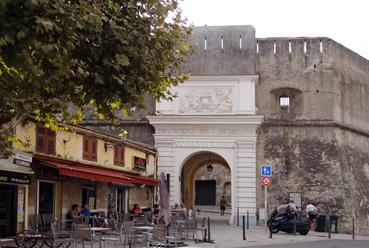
(108,53)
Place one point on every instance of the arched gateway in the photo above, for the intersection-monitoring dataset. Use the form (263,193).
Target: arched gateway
(214,113)
(211,115)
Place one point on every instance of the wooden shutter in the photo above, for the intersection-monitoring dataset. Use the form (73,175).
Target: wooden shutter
(45,140)
(51,141)
(121,152)
(116,155)
(119,155)
(93,152)
(40,139)
(85,153)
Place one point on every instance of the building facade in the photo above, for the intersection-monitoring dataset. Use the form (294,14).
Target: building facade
(76,165)
(298,104)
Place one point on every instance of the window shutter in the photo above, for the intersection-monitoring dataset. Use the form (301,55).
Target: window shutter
(85,154)
(122,155)
(93,149)
(51,142)
(116,155)
(40,139)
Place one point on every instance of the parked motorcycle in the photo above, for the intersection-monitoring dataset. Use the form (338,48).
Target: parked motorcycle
(286,223)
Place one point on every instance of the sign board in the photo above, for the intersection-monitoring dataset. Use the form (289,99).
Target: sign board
(139,163)
(266,170)
(266,181)
(10,177)
(22,160)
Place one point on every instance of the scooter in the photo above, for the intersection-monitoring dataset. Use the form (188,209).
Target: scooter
(286,223)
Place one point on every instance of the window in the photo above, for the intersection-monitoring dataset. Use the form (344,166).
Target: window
(89,195)
(45,140)
(119,155)
(90,148)
(284,101)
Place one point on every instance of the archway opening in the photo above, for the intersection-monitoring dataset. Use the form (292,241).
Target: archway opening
(205,179)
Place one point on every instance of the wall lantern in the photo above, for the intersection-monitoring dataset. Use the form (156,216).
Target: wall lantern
(210,167)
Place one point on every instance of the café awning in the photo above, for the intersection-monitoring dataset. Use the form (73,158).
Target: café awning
(90,173)
(94,173)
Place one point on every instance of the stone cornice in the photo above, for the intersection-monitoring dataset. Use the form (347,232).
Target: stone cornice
(204,144)
(205,120)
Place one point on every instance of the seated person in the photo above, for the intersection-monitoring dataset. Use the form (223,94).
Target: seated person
(155,213)
(136,210)
(85,211)
(74,213)
(112,214)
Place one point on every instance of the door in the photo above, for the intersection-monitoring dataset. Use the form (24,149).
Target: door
(205,192)
(46,198)
(8,210)
(121,201)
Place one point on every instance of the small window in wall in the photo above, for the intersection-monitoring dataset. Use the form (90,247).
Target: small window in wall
(89,195)
(284,101)
(45,140)
(89,148)
(119,155)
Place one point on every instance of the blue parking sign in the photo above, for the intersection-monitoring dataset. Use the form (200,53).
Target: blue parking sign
(266,170)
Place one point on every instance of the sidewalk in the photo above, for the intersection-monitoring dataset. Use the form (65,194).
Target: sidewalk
(228,236)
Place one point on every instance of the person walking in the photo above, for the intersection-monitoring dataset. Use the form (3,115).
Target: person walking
(223,205)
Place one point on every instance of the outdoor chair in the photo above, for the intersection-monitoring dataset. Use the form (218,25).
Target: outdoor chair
(47,219)
(191,228)
(129,233)
(84,235)
(60,239)
(115,235)
(158,237)
(140,221)
(35,222)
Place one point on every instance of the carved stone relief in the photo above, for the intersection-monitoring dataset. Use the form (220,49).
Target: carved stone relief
(205,131)
(205,100)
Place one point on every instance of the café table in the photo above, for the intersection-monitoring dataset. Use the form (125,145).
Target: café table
(30,239)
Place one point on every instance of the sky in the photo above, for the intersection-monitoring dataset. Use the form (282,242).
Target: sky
(345,21)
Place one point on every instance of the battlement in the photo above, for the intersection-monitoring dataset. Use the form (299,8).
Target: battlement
(234,50)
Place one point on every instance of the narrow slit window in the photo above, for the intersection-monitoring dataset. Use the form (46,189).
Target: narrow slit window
(284,101)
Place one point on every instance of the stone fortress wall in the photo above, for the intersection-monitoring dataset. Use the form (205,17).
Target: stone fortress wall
(319,145)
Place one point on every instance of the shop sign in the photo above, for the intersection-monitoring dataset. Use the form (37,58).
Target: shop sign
(22,160)
(15,178)
(139,163)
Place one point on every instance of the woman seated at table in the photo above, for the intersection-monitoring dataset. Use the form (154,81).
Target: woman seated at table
(136,210)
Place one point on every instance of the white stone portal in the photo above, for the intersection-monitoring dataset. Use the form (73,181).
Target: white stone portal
(211,114)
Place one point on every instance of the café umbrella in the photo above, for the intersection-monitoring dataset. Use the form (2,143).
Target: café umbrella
(164,211)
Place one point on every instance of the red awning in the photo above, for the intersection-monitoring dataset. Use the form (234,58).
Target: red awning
(79,170)
(144,180)
(90,173)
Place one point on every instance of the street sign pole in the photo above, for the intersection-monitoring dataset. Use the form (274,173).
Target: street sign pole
(265,206)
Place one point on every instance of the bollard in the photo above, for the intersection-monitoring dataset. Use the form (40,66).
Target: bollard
(353,227)
(329,227)
(247,221)
(238,216)
(209,239)
(243,228)
(270,230)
